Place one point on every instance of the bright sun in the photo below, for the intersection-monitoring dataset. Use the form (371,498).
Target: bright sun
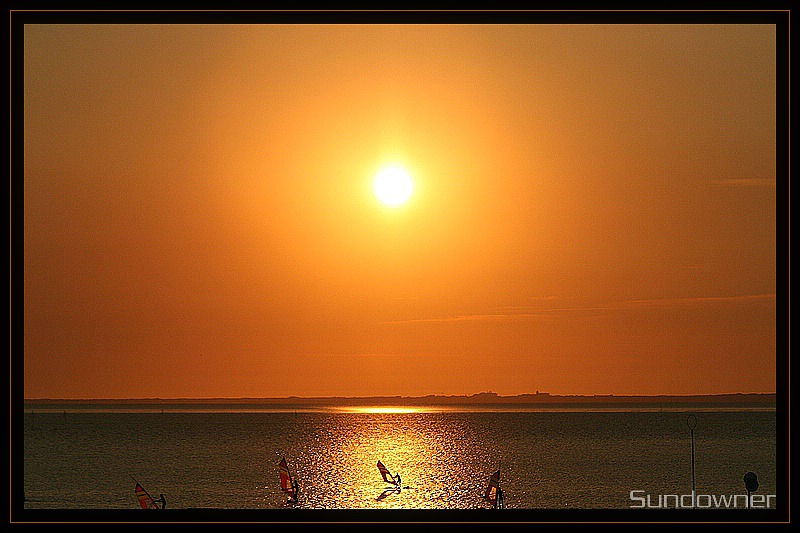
(393,186)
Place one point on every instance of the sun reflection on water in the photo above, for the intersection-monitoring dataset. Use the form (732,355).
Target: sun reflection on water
(384,409)
(339,469)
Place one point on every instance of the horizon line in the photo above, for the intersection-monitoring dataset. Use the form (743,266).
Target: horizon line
(400,396)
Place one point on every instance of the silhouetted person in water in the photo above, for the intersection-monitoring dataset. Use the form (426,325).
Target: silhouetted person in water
(162,500)
(499,502)
(295,490)
(397,480)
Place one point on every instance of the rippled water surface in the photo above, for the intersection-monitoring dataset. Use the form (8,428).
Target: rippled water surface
(229,459)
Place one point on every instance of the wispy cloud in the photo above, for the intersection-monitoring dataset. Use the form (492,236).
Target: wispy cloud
(468,318)
(518,312)
(703,299)
(745,182)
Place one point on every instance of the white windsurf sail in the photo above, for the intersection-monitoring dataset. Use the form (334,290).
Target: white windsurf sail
(490,495)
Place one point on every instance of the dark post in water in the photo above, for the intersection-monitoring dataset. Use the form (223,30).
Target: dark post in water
(691,421)
(751,483)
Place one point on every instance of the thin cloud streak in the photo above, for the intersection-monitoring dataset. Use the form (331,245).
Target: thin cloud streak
(465,318)
(746,182)
(629,304)
(705,299)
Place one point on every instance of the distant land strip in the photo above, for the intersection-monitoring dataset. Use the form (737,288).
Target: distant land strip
(483,398)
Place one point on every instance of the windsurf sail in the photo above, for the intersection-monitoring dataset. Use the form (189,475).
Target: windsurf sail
(286,478)
(387,476)
(492,489)
(145,499)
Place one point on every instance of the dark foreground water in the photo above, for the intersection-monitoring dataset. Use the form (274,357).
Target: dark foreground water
(548,460)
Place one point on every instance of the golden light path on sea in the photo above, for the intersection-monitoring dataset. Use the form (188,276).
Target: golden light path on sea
(338,469)
(384,409)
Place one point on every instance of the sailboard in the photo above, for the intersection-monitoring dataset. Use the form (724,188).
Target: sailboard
(145,500)
(288,485)
(387,476)
(493,493)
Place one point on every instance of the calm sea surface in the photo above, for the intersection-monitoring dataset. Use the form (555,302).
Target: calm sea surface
(86,459)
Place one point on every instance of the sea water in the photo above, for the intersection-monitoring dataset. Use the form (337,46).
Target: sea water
(548,459)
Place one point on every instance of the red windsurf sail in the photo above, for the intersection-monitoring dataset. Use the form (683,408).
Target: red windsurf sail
(144,499)
(286,478)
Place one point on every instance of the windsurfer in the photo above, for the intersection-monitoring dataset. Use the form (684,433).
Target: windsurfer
(499,502)
(397,480)
(161,500)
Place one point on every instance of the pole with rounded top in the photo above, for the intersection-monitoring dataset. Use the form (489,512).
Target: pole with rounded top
(751,484)
(691,421)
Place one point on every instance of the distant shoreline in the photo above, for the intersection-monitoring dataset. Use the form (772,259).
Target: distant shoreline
(484,398)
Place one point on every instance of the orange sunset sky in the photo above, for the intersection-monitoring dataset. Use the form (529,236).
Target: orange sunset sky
(593,209)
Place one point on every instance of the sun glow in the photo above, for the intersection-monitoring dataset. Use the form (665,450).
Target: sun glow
(383,410)
(393,186)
